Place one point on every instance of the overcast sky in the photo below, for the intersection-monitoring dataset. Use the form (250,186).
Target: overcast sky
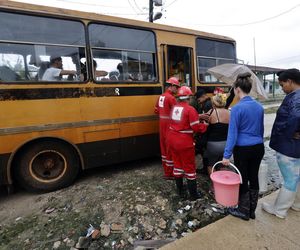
(272,25)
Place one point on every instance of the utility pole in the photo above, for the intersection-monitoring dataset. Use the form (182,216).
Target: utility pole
(157,15)
(151,11)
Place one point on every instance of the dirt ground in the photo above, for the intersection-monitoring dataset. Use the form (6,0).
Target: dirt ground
(127,203)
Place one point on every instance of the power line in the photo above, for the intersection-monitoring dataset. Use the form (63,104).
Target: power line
(254,22)
(171,3)
(138,6)
(125,14)
(243,24)
(106,6)
(92,4)
(132,6)
(283,59)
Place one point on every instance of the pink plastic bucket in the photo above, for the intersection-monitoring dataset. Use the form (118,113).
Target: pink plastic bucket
(226,186)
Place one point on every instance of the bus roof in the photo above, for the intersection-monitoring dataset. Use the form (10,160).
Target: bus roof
(74,14)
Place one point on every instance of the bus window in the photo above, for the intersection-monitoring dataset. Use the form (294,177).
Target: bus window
(20,62)
(212,53)
(124,66)
(41,38)
(131,58)
(70,61)
(11,67)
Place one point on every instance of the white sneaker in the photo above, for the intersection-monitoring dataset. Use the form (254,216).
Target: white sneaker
(284,201)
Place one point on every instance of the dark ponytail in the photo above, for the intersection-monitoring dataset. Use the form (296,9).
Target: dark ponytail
(244,82)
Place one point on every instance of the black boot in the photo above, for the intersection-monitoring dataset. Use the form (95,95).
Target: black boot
(192,186)
(180,187)
(204,169)
(243,209)
(253,202)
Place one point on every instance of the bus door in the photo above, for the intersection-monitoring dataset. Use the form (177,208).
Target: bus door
(178,63)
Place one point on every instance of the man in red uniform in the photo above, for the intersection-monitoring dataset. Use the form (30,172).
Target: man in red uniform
(184,122)
(163,108)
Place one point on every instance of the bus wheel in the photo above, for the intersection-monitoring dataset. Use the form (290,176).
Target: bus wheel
(47,166)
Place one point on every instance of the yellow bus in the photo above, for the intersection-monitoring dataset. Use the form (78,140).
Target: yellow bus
(78,89)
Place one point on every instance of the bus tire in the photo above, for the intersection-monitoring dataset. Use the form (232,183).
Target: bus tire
(47,166)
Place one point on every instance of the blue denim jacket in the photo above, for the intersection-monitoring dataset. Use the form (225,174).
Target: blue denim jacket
(286,124)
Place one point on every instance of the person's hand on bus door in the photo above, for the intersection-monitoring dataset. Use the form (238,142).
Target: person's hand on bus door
(226,162)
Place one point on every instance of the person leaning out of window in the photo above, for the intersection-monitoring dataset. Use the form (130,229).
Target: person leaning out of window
(245,142)
(285,140)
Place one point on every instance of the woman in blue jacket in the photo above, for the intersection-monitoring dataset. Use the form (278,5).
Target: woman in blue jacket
(285,140)
(245,142)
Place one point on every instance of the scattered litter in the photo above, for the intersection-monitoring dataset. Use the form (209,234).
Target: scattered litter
(66,239)
(180,211)
(83,242)
(187,207)
(178,222)
(56,245)
(208,211)
(19,218)
(49,210)
(90,231)
(184,234)
(216,205)
(96,234)
(190,224)
(68,207)
(215,209)
(218,210)
(117,227)
(105,230)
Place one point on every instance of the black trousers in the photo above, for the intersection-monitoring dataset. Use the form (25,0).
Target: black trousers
(247,159)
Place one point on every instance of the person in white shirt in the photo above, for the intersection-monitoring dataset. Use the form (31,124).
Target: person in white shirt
(56,71)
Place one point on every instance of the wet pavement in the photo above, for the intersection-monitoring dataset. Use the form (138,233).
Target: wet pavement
(269,163)
(272,176)
(268,122)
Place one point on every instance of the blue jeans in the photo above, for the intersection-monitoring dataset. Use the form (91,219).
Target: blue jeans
(290,170)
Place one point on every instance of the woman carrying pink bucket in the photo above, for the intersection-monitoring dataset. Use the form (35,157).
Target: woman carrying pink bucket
(245,142)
